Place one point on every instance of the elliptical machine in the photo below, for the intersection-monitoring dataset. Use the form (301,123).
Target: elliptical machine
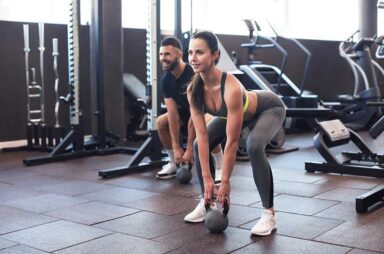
(356,110)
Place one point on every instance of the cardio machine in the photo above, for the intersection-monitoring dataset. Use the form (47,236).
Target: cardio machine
(358,110)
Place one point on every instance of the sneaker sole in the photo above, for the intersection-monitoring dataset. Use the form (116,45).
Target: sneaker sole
(164,177)
(264,234)
(194,221)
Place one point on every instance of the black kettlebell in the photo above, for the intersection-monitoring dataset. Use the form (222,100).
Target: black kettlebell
(183,172)
(217,221)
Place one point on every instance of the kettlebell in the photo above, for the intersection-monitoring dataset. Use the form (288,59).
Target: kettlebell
(183,172)
(217,221)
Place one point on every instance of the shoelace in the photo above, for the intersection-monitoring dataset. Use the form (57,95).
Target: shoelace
(265,218)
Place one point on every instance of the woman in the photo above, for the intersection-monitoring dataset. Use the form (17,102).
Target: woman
(222,95)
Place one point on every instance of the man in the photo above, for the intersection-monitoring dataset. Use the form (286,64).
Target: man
(174,81)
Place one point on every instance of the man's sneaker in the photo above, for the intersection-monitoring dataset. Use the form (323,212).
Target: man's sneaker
(168,171)
(198,214)
(218,173)
(266,224)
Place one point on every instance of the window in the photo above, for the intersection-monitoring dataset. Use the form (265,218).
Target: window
(307,19)
(326,19)
(48,11)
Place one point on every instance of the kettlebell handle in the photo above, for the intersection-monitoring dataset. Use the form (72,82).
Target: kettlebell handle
(225,208)
(181,164)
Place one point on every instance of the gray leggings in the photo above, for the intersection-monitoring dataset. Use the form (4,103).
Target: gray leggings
(268,119)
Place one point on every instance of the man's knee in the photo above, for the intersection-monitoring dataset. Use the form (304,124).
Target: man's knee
(162,122)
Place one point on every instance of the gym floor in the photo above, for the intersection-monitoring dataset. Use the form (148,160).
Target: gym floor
(66,208)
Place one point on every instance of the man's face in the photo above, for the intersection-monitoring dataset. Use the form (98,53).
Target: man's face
(169,57)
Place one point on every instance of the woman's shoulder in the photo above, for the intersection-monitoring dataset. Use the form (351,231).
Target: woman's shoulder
(232,82)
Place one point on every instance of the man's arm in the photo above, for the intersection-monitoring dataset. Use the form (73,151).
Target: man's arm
(188,155)
(174,128)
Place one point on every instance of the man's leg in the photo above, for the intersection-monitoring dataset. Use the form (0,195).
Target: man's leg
(168,170)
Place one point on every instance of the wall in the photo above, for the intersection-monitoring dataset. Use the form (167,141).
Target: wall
(328,76)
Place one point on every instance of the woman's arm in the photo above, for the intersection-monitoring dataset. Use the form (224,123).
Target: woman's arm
(202,142)
(234,100)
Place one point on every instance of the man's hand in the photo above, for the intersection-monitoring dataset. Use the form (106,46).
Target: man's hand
(178,152)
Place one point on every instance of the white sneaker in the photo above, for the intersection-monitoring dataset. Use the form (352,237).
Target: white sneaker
(198,214)
(218,173)
(167,171)
(266,224)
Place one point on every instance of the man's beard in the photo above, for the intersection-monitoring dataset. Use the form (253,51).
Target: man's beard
(173,65)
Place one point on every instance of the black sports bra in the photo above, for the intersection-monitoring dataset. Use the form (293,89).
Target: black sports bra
(223,111)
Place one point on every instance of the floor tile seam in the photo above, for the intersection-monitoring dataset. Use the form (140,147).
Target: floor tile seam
(73,245)
(335,244)
(44,212)
(119,217)
(48,222)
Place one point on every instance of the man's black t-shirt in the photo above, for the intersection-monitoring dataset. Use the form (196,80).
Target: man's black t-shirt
(176,89)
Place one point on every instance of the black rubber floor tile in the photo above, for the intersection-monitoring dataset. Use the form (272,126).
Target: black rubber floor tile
(144,224)
(6,244)
(292,175)
(45,202)
(299,205)
(244,183)
(11,193)
(197,239)
(118,244)
(118,195)
(9,174)
(163,204)
(277,244)
(367,234)
(244,198)
(21,249)
(36,180)
(91,213)
(350,181)
(358,251)
(300,189)
(342,194)
(13,219)
(156,185)
(343,211)
(238,215)
(73,188)
(56,235)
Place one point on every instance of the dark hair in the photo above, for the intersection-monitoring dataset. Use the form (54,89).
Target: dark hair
(171,41)
(196,85)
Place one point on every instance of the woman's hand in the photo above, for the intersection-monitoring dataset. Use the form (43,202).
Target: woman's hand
(209,189)
(188,156)
(224,193)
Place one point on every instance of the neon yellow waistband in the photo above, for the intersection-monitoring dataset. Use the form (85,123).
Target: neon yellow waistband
(245,107)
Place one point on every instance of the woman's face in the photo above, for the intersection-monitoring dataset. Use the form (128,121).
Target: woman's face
(200,56)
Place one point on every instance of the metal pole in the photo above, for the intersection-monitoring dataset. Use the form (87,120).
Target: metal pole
(27,50)
(41,49)
(178,32)
(367,18)
(55,54)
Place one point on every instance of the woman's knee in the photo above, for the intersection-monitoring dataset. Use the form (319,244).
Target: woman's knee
(195,146)
(254,147)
